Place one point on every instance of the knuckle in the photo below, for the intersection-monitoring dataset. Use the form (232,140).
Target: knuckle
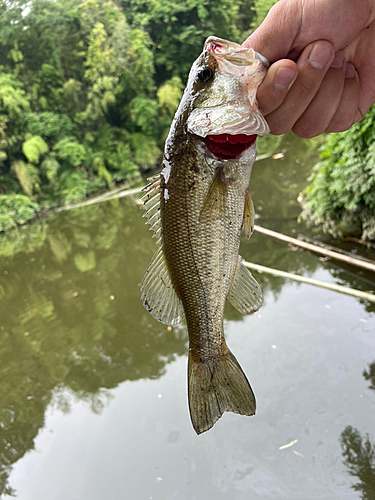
(341,123)
(306,87)
(278,128)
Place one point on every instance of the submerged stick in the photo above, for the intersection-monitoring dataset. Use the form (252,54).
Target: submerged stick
(297,277)
(314,248)
(360,241)
(334,249)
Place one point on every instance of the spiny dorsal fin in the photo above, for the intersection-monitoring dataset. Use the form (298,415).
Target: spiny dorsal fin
(216,199)
(151,204)
(157,293)
(248,215)
(245,293)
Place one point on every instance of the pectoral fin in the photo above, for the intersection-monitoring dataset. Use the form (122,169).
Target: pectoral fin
(245,293)
(216,199)
(158,295)
(248,215)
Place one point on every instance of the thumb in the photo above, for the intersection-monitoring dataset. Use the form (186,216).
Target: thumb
(275,37)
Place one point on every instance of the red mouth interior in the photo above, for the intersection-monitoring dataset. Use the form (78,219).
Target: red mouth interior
(228,147)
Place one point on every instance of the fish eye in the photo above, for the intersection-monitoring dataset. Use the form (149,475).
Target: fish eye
(205,75)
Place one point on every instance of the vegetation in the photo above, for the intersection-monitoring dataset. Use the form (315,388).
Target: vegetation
(88,90)
(341,193)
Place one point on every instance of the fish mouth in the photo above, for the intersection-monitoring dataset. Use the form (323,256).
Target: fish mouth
(227,146)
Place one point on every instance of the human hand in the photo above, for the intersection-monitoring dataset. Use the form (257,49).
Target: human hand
(323,74)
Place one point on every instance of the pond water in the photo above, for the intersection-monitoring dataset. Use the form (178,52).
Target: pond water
(93,399)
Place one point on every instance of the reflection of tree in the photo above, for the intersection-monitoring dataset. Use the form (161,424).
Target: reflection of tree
(369,375)
(359,457)
(353,277)
(71,319)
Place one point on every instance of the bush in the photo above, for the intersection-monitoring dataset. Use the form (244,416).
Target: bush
(341,193)
(16,209)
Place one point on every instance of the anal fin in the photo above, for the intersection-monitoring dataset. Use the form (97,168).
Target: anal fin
(158,295)
(245,293)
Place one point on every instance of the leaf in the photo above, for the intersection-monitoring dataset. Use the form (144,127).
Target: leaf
(34,148)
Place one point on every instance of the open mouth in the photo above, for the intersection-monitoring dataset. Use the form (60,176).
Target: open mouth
(228,147)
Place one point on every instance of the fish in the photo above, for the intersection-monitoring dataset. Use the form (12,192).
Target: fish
(197,207)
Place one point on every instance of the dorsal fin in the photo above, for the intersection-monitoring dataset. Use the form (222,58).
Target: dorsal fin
(157,292)
(151,204)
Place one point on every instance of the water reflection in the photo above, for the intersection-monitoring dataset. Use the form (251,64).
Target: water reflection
(359,457)
(71,317)
(359,452)
(369,374)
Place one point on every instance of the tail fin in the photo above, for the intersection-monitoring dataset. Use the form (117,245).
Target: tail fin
(216,386)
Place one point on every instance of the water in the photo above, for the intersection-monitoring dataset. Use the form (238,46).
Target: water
(93,400)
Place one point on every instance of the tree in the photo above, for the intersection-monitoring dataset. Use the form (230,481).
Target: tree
(179,29)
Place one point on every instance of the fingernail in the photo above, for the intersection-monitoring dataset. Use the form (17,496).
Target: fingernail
(284,78)
(320,56)
(338,60)
(350,70)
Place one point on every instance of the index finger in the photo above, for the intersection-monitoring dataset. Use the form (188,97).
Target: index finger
(274,88)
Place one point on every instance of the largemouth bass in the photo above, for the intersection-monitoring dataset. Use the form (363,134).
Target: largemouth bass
(197,207)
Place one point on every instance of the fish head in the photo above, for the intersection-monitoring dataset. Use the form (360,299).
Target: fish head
(224,117)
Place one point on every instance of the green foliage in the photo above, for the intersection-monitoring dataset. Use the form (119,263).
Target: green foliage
(34,148)
(169,95)
(144,113)
(73,186)
(49,167)
(261,8)
(268,144)
(88,89)
(13,100)
(16,209)
(341,193)
(70,151)
(146,150)
(27,176)
(49,126)
(178,29)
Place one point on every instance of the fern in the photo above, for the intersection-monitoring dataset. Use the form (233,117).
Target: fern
(34,148)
